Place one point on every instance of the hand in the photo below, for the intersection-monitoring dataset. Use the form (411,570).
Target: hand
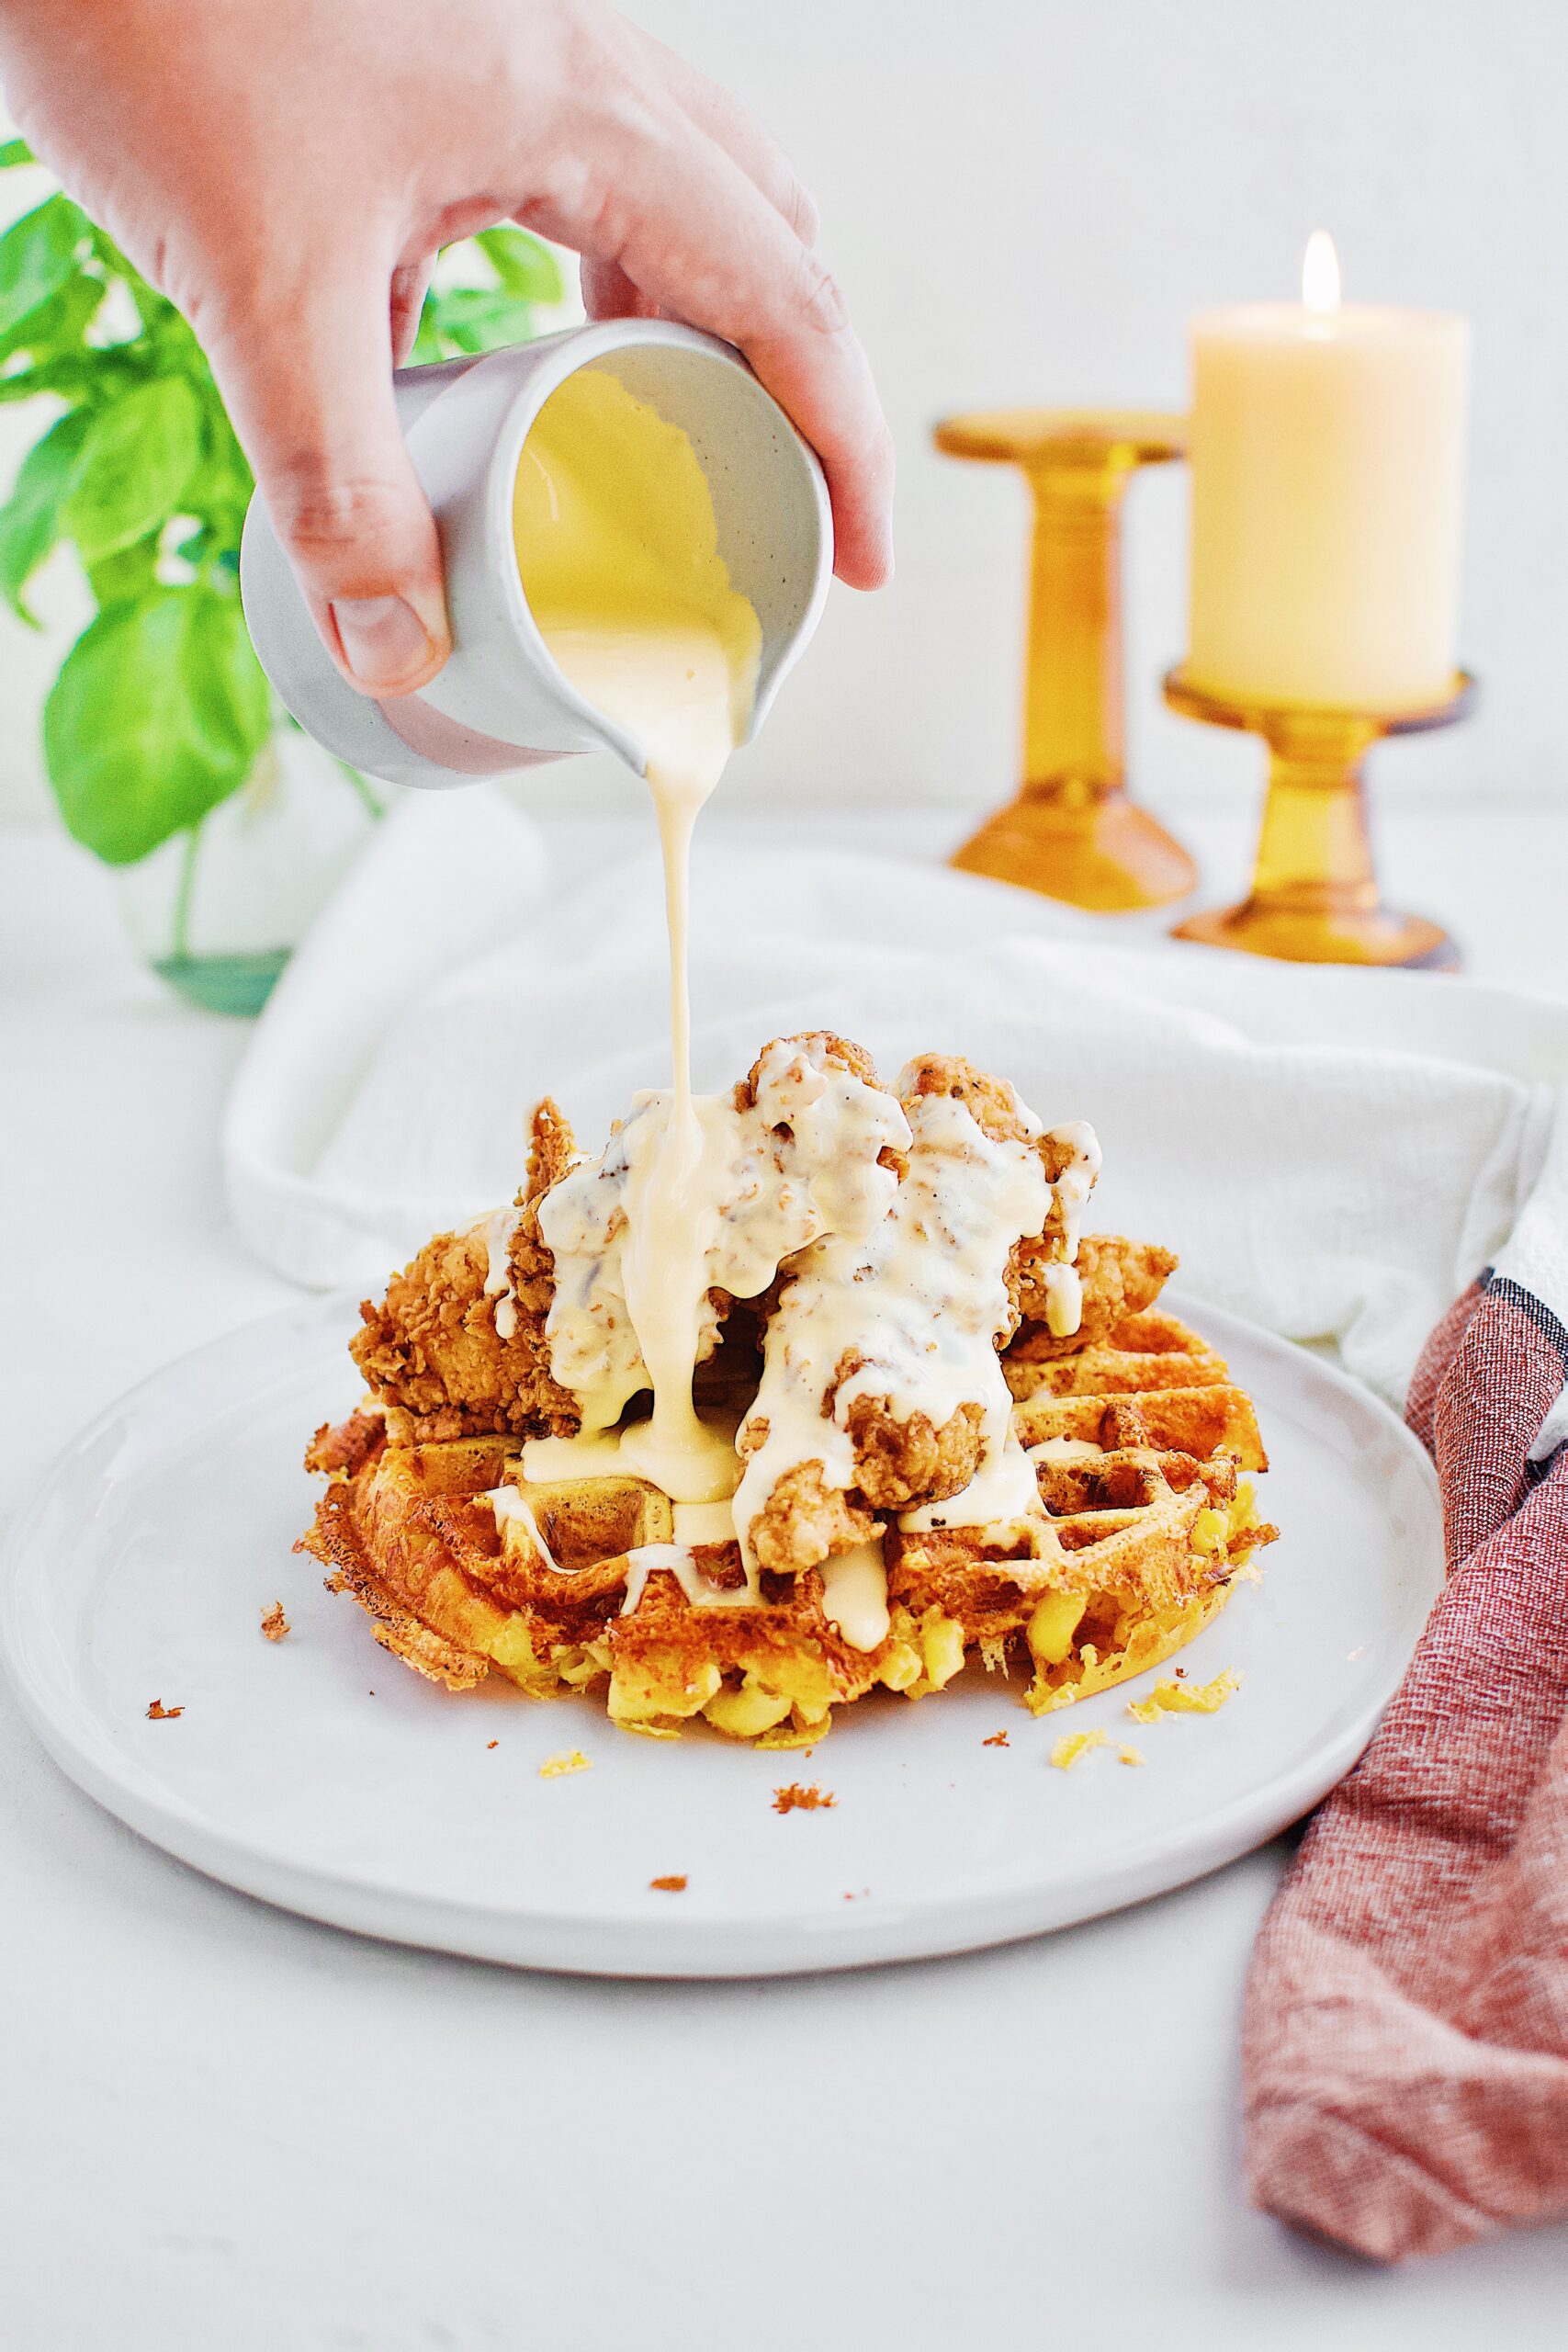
(286,170)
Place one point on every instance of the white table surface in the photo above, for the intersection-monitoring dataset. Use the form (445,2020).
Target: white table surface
(228,2129)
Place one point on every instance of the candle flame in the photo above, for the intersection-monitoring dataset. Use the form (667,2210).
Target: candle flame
(1320,272)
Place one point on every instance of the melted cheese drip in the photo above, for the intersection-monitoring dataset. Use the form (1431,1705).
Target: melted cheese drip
(1001,1492)
(617,548)
(1064,1300)
(1077,1179)
(677,1560)
(705,1522)
(854,1595)
(500,1230)
(1066,1449)
(700,1471)
(802,1160)
(1064,1288)
(609,1453)
(920,1303)
(511,1509)
(546,1460)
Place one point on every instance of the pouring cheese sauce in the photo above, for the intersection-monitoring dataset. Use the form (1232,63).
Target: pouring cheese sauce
(617,549)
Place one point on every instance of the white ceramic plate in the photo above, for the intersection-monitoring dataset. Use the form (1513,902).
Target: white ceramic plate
(320,1774)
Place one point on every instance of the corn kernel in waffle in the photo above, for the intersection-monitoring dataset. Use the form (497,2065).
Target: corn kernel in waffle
(886,1409)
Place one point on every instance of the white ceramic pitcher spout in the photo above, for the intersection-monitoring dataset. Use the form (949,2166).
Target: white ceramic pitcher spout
(500,703)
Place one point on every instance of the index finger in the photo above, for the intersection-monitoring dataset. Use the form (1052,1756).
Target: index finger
(678,218)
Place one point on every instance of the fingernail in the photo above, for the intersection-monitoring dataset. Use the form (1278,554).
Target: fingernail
(384,641)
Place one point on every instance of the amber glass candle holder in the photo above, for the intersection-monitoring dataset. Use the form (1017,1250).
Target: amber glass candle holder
(1072,832)
(1314,893)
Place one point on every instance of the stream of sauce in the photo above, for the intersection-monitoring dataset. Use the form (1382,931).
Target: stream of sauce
(617,548)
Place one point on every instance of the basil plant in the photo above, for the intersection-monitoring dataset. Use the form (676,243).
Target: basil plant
(160,708)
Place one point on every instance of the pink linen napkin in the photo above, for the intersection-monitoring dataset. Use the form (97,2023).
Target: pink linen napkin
(1405,2037)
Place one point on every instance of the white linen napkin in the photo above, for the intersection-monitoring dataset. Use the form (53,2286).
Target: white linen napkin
(1335,1153)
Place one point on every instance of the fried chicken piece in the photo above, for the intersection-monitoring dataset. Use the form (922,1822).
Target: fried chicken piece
(434,1347)
(1059,1148)
(832,1053)
(1119,1277)
(829,1051)
(990,1102)
(530,1264)
(995,1110)
(899,1459)
(807,1520)
(899,1463)
(994,1106)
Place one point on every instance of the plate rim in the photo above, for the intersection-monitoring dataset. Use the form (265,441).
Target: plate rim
(950,1921)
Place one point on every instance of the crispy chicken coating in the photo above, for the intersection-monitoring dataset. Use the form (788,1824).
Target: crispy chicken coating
(832,1053)
(995,1108)
(1119,1278)
(899,1462)
(990,1102)
(433,1347)
(807,1520)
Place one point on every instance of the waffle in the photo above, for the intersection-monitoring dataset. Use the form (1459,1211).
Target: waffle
(1138,1441)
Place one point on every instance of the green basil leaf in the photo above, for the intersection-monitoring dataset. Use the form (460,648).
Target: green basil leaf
(59,326)
(224,465)
(140,453)
(427,343)
(478,318)
(16,150)
(523,265)
(157,715)
(38,253)
(70,376)
(132,573)
(31,519)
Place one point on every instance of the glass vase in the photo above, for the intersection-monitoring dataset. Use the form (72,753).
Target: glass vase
(217,910)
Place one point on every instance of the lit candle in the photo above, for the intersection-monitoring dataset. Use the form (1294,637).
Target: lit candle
(1327,476)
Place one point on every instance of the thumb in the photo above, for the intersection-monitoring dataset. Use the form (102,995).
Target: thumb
(307,374)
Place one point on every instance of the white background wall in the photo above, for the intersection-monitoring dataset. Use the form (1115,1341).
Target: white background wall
(1024,200)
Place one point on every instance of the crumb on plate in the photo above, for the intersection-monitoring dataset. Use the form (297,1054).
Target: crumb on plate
(1185,1698)
(809,1798)
(568,1760)
(158,1714)
(275,1624)
(998,1739)
(674,1885)
(1074,1745)
(1125,1754)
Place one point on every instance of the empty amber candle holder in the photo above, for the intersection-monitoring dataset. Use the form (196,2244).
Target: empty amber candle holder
(1315,892)
(1072,832)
